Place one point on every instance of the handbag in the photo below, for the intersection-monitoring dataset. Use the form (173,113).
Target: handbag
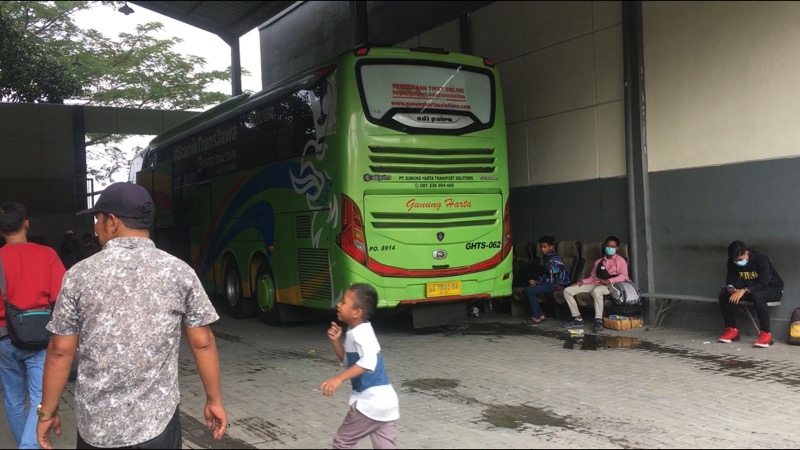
(794,327)
(26,327)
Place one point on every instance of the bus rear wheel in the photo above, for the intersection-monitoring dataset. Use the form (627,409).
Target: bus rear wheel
(238,307)
(266,303)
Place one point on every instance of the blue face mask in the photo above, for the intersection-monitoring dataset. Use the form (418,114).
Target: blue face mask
(741,263)
(611,251)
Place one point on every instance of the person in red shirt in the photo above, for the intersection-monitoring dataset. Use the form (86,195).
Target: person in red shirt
(33,276)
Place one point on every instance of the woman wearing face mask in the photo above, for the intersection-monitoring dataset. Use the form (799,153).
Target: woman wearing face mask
(611,268)
(751,277)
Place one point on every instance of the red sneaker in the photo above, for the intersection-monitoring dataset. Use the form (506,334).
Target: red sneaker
(730,334)
(764,339)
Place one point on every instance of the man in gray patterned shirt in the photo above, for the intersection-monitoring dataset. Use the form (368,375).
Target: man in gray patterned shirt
(126,305)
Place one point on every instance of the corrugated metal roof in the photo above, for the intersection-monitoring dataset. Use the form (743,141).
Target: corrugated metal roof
(227,19)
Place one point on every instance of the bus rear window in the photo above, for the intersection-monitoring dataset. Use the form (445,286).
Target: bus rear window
(424,97)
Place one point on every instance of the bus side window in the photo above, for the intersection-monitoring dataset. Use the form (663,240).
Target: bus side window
(304,131)
(283,128)
(294,125)
(136,166)
(149,160)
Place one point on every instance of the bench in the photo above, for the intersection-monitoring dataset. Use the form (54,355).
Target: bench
(670,300)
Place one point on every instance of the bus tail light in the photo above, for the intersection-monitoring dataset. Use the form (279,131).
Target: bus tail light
(488,62)
(506,232)
(361,51)
(351,238)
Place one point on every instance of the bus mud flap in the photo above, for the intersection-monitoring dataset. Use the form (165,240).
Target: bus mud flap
(439,314)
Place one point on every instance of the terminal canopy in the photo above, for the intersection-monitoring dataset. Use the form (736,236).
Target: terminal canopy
(229,19)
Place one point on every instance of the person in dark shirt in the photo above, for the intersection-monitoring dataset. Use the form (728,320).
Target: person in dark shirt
(88,245)
(752,278)
(70,251)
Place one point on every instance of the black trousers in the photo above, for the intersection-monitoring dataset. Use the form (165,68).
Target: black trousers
(759,299)
(169,438)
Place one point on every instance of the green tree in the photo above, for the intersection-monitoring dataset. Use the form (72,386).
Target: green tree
(28,74)
(46,57)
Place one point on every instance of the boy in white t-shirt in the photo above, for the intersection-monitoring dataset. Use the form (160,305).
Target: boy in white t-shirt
(374,407)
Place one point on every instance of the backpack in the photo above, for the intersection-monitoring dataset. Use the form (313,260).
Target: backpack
(625,293)
(624,300)
(794,327)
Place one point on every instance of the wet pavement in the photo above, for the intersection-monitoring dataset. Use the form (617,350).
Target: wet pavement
(494,383)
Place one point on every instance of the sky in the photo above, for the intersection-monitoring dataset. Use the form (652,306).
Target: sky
(195,42)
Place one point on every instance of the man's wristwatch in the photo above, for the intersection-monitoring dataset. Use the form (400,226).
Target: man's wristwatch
(45,415)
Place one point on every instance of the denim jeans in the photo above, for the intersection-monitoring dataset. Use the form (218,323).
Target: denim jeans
(531,292)
(21,376)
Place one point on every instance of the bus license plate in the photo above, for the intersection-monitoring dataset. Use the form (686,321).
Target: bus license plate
(442,288)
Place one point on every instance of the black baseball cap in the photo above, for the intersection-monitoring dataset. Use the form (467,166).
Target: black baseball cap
(124,200)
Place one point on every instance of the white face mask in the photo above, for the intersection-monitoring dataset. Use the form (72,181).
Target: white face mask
(741,263)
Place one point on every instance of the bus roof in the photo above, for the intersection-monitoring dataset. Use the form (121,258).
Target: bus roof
(232,107)
(200,118)
(239,104)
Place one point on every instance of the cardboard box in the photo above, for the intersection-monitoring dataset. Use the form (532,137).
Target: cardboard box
(622,324)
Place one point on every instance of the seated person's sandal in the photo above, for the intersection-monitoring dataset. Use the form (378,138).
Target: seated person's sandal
(533,320)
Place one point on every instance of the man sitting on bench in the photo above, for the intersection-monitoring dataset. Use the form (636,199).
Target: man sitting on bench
(751,277)
(555,276)
(608,269)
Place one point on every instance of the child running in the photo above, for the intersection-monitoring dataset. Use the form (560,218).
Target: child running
(374,407)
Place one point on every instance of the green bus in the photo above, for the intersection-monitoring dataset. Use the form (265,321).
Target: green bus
(386,166)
